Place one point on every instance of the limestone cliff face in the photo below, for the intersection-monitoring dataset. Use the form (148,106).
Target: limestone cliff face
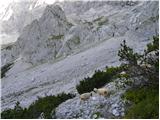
(17,14)
(59,33)
(41,40)
(58,37)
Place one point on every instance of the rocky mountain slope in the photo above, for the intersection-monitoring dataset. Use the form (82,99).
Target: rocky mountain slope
(59,49)
(16,15)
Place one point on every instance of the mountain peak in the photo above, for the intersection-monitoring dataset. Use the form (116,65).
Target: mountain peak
(54,11)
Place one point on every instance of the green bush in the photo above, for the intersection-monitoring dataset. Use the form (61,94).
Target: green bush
(45,105)
(99,79)
(144,97)
(136,62)
(127,54)
(152,73)
(18,112)
(145,103)
(154,46)
(5,68)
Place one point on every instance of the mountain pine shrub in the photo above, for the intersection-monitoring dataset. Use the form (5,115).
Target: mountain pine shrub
(45,105)
(145,97)
(99,79)
(145,103)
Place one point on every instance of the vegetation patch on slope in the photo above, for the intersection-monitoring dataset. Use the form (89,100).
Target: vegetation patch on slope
(101,20)
(99,79)
(145,103)
(144,98)
(56,37)
(44,105)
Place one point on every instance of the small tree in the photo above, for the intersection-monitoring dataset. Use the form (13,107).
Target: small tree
(151,57)
(126,54)
(145,65)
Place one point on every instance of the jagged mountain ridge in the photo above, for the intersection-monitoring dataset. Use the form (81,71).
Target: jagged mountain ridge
(89,30)
(16,15)
(47,78)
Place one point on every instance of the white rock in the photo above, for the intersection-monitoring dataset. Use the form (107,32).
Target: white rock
(115,112)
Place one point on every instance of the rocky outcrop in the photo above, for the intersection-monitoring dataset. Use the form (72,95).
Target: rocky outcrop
(111,106)
(41,40)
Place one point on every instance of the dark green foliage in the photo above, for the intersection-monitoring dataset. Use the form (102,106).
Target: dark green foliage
(128,82)
(5,68)
(17,112)
(126,54)
(45,105)
(145,103)
(135,69)
(145,97)
(151,57)
(154,46)
(98,80)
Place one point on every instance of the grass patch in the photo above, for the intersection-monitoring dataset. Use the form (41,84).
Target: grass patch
(56,37)
(101,21)
(98,19)
(5,68)
(145,103)
(45,105)
(98,80)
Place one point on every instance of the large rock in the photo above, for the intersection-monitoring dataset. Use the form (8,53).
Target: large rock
(41,40)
